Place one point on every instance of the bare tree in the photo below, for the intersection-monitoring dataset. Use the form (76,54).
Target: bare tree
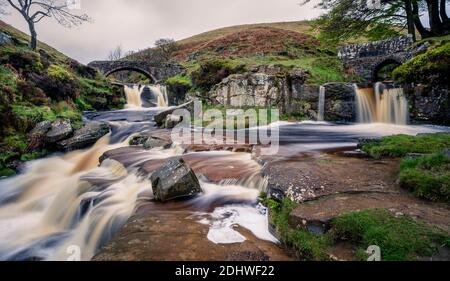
(33,11)
(115,54)
(166,47)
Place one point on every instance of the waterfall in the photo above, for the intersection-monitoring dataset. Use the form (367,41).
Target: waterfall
(321,110)
(381,104)
(161,95)
(133,95)
(365,105)
(393,106)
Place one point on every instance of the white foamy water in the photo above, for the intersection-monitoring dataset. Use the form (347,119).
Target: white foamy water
(223,220)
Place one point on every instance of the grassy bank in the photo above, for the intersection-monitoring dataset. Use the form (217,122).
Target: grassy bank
(400,238)
(427,174)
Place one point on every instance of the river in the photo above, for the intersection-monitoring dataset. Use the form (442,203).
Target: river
(68,200)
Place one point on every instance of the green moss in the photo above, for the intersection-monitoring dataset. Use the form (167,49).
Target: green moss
(33,155)
(428,177)
(399,238)
(400,145)
(16,142)
(7,156)
(6,172)
(179,80)
(60,73)
(430,67)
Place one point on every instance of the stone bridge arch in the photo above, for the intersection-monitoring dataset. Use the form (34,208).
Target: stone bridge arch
(132,68)
(367,59)
(157,72)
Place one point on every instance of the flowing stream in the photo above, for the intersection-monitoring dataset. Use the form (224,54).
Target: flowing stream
(69,200)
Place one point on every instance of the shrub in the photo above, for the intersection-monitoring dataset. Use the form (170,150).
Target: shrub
(430,67)
(31,93)
(179,80)
(213,72)
(21,59)
(59,73)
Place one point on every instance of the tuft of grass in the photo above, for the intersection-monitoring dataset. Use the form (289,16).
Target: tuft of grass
(399,238)
(308,246)
(428,177)
(400,145)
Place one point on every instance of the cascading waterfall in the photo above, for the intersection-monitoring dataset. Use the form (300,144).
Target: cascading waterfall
(133,95)
(393,106)
(381,104)
(321,110)
(161,94)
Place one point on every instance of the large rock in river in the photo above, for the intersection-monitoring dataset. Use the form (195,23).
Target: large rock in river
(160,118)
(85,136)
(173,180)
(59,130)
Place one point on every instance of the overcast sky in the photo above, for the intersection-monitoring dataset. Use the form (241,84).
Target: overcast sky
(136,24)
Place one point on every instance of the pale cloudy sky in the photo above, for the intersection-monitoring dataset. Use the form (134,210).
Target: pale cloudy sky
(136,24)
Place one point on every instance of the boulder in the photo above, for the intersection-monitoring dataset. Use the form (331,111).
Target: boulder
(36,138)
(152,140)
(160,118)
(5,39)
(85,136)
(155,141)
(172,120)
(340,102)
(175,179)
(59,130)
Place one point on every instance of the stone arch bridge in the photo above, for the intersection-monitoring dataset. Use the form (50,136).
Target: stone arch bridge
(367,59)
(156,72)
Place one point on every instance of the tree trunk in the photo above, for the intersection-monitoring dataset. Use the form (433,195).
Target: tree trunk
(410,19)
(435,20)
(33,34)
(424,33)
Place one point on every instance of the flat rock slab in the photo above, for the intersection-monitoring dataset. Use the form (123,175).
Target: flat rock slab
(177,236)
(313,176)
(316,216)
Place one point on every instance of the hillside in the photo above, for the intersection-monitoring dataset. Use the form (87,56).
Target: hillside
(290,44)
(42,86)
